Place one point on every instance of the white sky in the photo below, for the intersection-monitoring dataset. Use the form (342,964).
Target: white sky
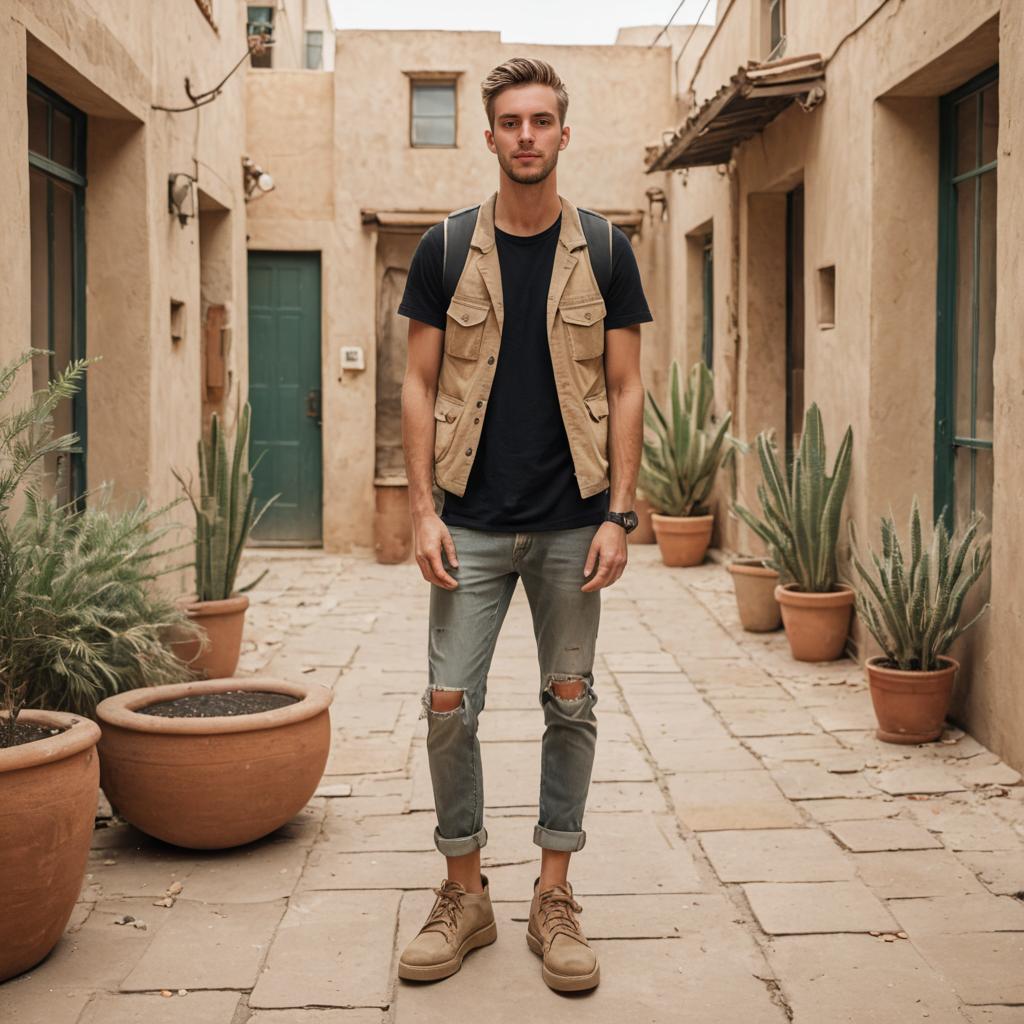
(520,21)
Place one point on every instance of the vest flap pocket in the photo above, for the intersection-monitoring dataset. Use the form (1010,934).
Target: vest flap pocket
(597,406)
(584,324)
(446,408)
(464,329)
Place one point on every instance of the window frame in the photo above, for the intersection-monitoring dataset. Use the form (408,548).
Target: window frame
(947,440)
(434,79)
(707,345)
(776,47)
(319,33)
(268,55)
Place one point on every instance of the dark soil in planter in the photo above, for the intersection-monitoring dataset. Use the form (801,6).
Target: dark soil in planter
(217,705)
(25,732)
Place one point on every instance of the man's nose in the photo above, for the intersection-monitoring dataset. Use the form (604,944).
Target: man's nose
(525,134)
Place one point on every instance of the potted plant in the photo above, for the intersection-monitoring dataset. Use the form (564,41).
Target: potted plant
(76,623)
(800,520)
(680,465)
(754,582)
(224,512)
(913,612)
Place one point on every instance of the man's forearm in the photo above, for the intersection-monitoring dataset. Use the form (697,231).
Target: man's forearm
(418,444)
(625,441)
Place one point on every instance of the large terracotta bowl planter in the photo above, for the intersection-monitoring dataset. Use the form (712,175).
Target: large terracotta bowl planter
(816,624)
(223,622)
(212,783)
(683,540)
(48,792)
(910,706)
(755,585)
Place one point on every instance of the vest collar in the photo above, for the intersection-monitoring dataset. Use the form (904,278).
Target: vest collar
(570,236)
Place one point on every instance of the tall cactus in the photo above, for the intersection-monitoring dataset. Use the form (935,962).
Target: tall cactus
(801,511)
(224,511)
(680,465)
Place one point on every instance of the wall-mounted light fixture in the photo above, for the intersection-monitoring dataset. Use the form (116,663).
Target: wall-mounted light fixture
(255,180)
(656,196)
(181,197)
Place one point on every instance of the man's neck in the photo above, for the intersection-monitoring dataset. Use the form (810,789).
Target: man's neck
(526,209)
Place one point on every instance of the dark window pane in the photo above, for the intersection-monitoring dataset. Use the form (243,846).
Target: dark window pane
(986,307)
(37,112)
(776,16)
(63,140)
(433,131)
(967,134)
(40,278)
(964,324)
(989,122)
(314,50)
(435,100)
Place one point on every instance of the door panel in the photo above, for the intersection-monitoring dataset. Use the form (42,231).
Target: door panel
(284,369)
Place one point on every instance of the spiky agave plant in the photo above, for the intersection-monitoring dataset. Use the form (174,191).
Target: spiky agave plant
(801,510)
(914,611)
(224,510)
(680,465)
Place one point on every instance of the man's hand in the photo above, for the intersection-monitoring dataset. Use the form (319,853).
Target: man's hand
(608,553)
(432,537)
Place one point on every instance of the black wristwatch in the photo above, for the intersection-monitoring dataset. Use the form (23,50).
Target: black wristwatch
(627,520)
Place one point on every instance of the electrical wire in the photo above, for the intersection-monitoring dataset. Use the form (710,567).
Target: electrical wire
(202,98)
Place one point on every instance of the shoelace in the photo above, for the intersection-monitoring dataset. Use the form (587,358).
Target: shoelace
(559,910)
(447,907)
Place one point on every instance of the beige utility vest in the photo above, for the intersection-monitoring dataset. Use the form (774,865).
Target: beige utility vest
(472,339)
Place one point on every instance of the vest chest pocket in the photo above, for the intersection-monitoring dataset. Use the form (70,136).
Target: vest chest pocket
(446,420)
(464,329)
(584,323)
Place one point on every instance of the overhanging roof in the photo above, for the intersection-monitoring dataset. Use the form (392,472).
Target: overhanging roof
(751,98)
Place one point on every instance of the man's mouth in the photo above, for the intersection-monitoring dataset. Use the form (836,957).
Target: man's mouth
(527,156)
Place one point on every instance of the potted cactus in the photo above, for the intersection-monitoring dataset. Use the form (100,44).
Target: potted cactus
(225,516)
(913,612)
(681,458)
(800,520)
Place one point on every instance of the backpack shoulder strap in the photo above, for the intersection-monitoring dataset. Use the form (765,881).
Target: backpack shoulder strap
(458,231)
(598,232)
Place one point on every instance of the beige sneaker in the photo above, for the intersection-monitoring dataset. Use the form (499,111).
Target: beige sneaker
(554,934)
(460,921)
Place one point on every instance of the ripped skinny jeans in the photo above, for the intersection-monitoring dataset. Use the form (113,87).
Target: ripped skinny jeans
(464,626)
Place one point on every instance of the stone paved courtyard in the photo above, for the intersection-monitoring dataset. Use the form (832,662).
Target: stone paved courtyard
(753,855)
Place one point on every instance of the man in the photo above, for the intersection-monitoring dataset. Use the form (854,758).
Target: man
(535,456)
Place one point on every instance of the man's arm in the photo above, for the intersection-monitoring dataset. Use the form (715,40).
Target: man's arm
(419,390)
(625,441)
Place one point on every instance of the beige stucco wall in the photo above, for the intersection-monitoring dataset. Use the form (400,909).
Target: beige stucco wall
(114,61)
(337,150)
(868,160)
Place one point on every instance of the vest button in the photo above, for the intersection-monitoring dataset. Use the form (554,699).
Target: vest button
(586,316)
(450,417)
(469,451)
(479,404)
(476,419)
(465,317)
(490,359)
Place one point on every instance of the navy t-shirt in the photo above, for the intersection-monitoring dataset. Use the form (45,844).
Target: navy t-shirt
(522,478)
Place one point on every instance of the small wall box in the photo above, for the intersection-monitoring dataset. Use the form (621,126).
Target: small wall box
(352,358)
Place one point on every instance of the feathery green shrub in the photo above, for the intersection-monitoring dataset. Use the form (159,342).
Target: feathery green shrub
(679,466)
(801,510)
(915,615)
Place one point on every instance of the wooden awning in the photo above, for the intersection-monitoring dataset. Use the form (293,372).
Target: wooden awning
(752,98)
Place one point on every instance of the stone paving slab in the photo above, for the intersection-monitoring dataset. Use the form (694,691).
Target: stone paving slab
(867,836)
(983,968)
(708,801)
(307,1016)
(956,915)
(802,908)
(776,855)
(907,874)
(196,1007)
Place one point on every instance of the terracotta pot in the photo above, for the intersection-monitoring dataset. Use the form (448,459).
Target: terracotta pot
(644,532)
(755,585)
(910,706)
(683,540)
(816,624)
(48,794)
(211,783)
(392,523)
(223,621)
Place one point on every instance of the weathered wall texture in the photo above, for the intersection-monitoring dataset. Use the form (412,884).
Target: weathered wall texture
(867,158)
(336,151)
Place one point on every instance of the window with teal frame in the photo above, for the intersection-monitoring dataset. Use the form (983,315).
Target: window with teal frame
(966,294)
(707,347)
(56,158)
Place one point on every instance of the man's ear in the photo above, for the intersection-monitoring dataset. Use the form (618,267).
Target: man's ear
(565,137)
(489,139)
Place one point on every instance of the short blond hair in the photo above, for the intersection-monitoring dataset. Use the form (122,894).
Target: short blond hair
(522,71)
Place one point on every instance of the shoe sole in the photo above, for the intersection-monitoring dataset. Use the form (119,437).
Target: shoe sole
(435,972)
(563,982)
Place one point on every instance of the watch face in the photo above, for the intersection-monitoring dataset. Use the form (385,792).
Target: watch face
(631,521)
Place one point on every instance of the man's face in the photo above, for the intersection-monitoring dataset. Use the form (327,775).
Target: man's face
(527,136)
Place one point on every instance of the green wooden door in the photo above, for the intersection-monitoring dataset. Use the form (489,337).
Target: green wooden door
(284,391)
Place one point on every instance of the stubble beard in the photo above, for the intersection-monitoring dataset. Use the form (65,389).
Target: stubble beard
(527,177)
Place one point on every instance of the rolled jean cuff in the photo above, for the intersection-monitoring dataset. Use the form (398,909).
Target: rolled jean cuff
(567,842)
(460,847)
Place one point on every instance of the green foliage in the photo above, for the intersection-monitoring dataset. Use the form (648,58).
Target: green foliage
(801,512)
(224,510)
(915,615)
(79,620)
(681,462)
